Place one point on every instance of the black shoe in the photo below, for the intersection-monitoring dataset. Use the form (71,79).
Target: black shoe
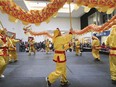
(63,84)
(48,83)
(10,62)
(96,59)
(15,61)
(114,82)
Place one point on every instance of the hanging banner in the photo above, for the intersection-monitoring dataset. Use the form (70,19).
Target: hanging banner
(38,16)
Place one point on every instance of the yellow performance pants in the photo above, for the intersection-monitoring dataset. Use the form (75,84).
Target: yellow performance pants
(6,58)
(77,51)
(2,65)
(47,49)
(13,55)
(95,53)
(32,49)
(112,60)
(59,72)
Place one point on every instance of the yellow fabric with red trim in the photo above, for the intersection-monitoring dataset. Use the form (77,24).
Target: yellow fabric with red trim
(111,40)
(60,45)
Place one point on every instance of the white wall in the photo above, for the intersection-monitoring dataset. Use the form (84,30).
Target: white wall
(84,36)
(88,35)
(62,23)
(103,39)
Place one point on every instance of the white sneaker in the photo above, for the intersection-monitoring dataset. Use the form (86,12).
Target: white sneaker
(2,76)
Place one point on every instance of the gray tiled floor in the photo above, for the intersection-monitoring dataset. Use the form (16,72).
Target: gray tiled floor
(82,71)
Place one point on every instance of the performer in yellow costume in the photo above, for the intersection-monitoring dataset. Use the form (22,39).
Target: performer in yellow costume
(78,47)
(12,49)
(47,43)
(111,42)
(31,46)
(95,48)
(3,52)
(61,43)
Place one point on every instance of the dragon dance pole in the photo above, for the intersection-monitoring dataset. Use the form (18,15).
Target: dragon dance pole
(1,24)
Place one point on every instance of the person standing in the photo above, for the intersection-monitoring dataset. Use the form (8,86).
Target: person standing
(77,47)
(95,48)
(111,42)
(47,43)
(12,49)
(3,51)
(31,46)
(61,43)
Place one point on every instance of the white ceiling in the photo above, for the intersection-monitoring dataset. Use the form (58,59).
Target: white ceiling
(75,13)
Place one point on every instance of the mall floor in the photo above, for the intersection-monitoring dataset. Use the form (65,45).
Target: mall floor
(82,71)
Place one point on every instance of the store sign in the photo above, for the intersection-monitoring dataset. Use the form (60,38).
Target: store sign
(106,33)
